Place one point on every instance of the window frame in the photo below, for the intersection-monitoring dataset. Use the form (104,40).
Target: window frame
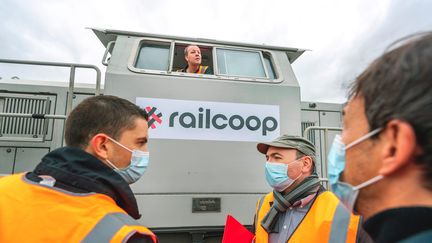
(136,51)
(243,76)
(174,73)
(273,63)
(216,76)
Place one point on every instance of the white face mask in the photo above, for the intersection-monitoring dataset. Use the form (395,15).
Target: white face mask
(277,175)
(138,164)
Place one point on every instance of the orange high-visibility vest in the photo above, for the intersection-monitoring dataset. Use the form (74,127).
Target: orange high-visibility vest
(326,221)
(31,212)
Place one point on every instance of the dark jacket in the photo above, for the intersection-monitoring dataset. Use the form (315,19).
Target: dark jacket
(78,171)
(401,225)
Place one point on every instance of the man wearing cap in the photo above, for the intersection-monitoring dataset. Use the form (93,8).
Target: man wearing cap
(299,209)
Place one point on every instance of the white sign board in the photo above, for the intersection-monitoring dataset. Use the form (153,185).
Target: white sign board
(203,120)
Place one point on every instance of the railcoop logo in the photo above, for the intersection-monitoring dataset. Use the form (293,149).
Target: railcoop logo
(220,121)
(205,120)
(153,117)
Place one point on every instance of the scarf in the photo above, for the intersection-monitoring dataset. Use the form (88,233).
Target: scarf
(308,186)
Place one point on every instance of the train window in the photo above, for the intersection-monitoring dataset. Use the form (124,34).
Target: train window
(179,62)
(269,65)
(153,56)
(240,63)
(167,57)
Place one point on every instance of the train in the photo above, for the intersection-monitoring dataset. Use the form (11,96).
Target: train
(203,128)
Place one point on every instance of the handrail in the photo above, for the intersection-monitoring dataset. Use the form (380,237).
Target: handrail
(104,61)
(35,116)
(326,130)
(72,67)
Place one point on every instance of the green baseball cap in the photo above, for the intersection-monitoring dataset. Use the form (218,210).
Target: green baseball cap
(290,142)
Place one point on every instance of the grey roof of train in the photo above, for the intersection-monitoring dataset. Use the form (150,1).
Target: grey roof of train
(107,35)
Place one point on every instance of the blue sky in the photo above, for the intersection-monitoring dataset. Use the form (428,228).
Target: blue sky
(343,36)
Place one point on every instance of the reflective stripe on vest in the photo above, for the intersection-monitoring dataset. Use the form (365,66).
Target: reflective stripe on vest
(125,233)
(202,69)
(340,224)
(326,221)
(40,213)
(110,226)
(259,204)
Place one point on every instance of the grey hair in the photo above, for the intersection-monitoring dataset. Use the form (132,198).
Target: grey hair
(187,48)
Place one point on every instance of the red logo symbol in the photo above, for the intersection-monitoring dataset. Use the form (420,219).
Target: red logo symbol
(153,117)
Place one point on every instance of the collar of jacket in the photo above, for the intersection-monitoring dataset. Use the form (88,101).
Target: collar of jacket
(184,70)
(78,171)
(394,225)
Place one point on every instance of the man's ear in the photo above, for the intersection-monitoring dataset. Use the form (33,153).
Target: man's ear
(399,146)
(307,164)
(98,146)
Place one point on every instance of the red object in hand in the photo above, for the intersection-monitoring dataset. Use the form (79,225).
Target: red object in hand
(235,232)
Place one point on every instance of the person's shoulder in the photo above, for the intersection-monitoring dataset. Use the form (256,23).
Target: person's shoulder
(268,196)
(128,229)
(424,236)
(182,70)
(7,180)
(208,70)
(139,238)
(262,198)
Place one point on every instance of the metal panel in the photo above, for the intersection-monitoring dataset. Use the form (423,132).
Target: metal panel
(7,156)
(28,158)
(56,91)
(28,129)
(308,119)
(77,98)
(198,165)
(312,115)
(311,136)
(188,235)
(328,119)
(182,169)
(158,210)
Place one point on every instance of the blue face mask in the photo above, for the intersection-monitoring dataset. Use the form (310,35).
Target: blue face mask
(277,175)
(138,164)
(336,165)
